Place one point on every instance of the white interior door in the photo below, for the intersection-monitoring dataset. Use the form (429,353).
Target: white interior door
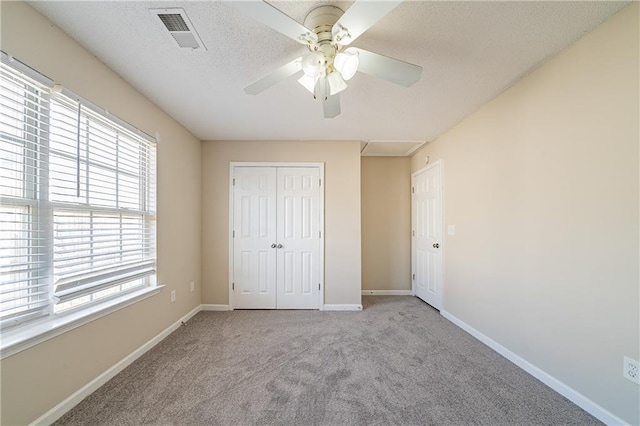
(276,239)
(254,234)
(297,271)
(426,200)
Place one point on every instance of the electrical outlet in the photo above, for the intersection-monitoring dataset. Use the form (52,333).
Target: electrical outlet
(173,295)
(631,370)
(192,286)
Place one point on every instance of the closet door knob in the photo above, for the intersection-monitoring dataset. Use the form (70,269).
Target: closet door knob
(279,245)
(273,245)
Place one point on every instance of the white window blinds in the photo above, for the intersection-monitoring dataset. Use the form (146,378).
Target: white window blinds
(77,214)
(24,238)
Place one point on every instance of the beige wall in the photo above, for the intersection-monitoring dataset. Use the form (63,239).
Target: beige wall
(35,380)
(386,223)
(542,184)
(342,211)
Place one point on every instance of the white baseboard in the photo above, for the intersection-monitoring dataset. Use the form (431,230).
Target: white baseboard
(209,307)
(342,307)
(59,410)
(571,394)
(387,293)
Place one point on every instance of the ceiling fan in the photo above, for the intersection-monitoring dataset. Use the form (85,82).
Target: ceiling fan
(327,32)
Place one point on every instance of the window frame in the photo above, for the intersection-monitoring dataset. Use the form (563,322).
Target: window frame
(44,324)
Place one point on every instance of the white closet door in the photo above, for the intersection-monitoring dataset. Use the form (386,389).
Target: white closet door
(298,229)
(254,226)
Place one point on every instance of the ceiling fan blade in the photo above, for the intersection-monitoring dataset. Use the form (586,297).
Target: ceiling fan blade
(276,76)
(272,17)
(360,17)
(386,68)
(331,106)
(330,103)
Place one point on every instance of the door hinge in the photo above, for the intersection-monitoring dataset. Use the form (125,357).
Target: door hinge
(233,286)
(234,182)
(318,286)
(413,276)
(320,234)
(234,234)
(413,190)
(320,182)
(413,233)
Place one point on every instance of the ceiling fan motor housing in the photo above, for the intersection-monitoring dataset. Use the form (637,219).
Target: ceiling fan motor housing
(321,20)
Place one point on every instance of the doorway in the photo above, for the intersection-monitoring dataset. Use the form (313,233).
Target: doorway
(426,234)
(276,227)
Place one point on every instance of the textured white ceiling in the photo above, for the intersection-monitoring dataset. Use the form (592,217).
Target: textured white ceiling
(470,52)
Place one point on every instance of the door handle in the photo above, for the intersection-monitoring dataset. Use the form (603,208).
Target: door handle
(436,245)
(279,245)
(273,245)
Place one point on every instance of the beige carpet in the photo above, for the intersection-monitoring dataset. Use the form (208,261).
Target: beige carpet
(396,362)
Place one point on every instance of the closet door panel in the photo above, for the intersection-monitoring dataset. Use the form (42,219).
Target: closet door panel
(254,226)
(298,231)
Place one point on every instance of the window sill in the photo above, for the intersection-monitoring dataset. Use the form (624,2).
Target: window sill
(15,341)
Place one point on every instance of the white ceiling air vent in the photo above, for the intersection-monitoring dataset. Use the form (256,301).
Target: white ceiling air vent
(176,21)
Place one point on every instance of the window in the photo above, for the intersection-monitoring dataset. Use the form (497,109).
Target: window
(77,201)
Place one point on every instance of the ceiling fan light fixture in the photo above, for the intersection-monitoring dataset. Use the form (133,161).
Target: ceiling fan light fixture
(312,64)
(309,82)
(346,64)
(326,32)
(336,83)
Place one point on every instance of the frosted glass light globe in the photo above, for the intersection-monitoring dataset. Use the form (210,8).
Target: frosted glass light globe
(309,82)
(336,83)
(346,64)
(312,64)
